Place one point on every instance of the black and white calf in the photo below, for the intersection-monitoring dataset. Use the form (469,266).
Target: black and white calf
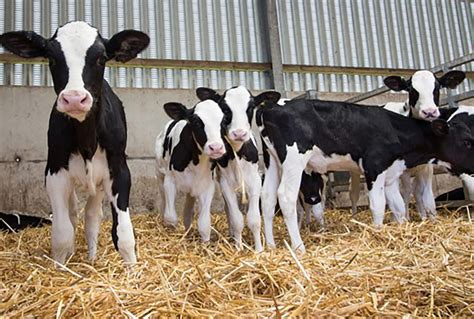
(322,136)
(423,91)
(240,164)
(87,132)
(185,151)
(311,198)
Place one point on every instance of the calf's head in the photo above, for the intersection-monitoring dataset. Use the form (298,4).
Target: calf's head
(238,105)
(423,91)
(77,54)
(207,124)
(456,140)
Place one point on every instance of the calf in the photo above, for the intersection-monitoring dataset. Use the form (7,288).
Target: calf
(327,135)
(311,198)
(423,90)
(240,165)
(87,133)
(185,151)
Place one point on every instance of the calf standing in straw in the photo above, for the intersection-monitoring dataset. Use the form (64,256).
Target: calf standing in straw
(239,168)
(184,153)
(87,132)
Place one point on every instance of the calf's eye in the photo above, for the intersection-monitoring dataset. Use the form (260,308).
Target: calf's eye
(468,144)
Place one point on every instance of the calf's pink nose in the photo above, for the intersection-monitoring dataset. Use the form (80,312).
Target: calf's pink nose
(431,112)
(215,147)
(239,134)
(75,101)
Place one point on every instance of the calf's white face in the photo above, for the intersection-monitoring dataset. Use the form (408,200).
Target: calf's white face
(425,107)
(75,39)
(211,116)
(207,124)
(239,102)
(423,91)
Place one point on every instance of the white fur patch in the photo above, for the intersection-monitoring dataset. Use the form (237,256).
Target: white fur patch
(398,107)
(282,101)
(97,170)
(75,39)
(322,163)
(462,109)
(125,236)
(395,171)
(468,181)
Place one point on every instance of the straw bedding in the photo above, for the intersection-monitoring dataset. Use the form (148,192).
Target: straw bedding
(419,269)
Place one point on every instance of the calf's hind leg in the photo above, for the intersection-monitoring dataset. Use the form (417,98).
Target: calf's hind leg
(377,198)
(122,230)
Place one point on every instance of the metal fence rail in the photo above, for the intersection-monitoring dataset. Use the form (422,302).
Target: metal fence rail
(327,45)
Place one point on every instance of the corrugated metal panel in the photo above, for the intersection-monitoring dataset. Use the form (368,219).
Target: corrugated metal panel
(179,29)
(365,33)
(372,33)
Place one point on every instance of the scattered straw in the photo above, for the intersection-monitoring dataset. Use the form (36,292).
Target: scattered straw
(417,269)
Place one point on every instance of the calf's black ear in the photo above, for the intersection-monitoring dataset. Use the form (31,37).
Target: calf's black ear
(126,45)
(271,96)
(452,79)
(396,83)
(27,44)
(207,94)
(440,127)
(176,111)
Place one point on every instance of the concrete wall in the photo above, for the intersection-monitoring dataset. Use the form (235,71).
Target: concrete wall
(23,148)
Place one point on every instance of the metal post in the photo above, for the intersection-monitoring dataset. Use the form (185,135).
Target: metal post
(275,47)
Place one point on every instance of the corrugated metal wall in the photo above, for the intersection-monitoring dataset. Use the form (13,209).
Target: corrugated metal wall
(412,34)
(368,33)
(226,30)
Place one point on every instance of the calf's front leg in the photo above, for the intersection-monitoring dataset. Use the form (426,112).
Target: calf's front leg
(59,187)
(204,218)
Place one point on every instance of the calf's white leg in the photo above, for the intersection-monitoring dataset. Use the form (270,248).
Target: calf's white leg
(406,191)
(93,217)
(170,217)
(204,218)
(377,199)
(395,201)
(318,213)
(288,190)
(59,187)
(269,200)
(254,188)
(234,215)
(424,192)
